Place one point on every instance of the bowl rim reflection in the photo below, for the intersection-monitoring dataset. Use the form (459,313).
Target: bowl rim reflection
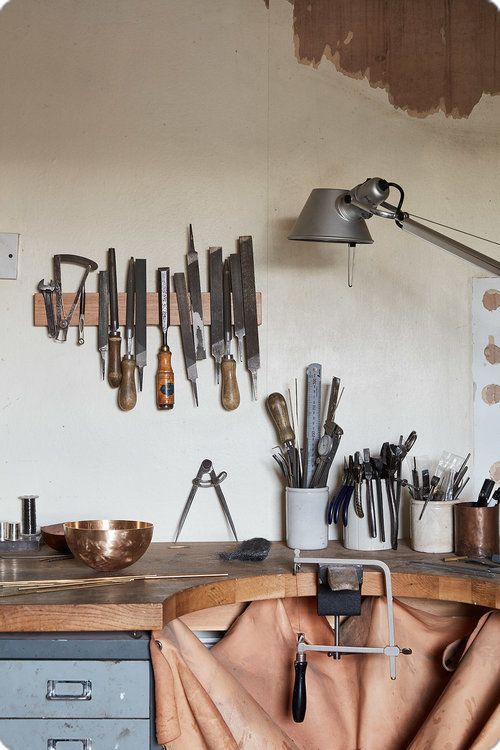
(106,524)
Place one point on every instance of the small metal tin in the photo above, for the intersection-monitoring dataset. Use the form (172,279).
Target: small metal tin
(13,531)
(4,531)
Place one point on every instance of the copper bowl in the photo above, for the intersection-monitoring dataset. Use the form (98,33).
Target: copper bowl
(53,536)
(108,545)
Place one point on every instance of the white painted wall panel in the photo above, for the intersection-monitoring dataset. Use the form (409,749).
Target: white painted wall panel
(122,122)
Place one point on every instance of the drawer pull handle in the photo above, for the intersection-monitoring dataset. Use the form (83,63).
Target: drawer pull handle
(86,744)
(85,695)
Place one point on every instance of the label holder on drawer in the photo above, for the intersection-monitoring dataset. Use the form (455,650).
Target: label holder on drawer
(85,695)
(52,743)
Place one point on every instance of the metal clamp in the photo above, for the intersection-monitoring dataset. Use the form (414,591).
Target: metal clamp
(85,695)
(86,743)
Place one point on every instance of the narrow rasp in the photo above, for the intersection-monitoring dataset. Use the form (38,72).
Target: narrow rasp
(193,275)
(250,308)
(216,314)
(141,355)
(186,332)
(238,313)
(103,323)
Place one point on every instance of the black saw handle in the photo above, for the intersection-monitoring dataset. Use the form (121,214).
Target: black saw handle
(299,700)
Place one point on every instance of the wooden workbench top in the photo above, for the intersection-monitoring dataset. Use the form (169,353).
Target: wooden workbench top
(143,605)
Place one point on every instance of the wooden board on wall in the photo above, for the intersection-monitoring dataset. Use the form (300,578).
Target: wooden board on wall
(92,302)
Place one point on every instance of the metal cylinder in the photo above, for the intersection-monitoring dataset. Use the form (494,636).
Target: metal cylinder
(28,514)
(13,531)
(4,531)
(476,530)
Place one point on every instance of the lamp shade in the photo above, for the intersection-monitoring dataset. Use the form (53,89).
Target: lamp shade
(320,221)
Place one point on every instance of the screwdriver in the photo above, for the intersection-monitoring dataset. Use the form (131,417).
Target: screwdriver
(230,390)
(164,373)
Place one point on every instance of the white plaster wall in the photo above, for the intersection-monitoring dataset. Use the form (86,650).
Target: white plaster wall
(124,120)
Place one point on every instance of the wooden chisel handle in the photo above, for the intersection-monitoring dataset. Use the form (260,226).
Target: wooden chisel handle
(165,380)
(127,395)
(114,366)
(278,410)
(230,390)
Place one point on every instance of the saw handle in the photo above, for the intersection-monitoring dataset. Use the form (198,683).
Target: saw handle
(299,700)
(230,390)
(165,380)
(127,395)
(114,368)
(279,413)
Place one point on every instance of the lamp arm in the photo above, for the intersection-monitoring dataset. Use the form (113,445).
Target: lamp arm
(446,243)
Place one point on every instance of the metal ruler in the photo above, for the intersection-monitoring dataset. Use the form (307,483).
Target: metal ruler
(313,417)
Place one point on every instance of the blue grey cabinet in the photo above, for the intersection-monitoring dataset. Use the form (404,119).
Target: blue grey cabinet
(76,691)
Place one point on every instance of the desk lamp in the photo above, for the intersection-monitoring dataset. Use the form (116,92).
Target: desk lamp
(331,215)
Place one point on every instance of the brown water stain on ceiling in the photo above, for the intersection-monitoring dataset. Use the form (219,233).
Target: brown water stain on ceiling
(429,55)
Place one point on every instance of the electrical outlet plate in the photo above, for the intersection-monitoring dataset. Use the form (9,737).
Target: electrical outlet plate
(9,244)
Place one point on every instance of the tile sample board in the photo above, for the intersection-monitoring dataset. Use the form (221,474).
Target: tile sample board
(486,374)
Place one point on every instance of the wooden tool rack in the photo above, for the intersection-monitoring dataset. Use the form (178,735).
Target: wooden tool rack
(152,313)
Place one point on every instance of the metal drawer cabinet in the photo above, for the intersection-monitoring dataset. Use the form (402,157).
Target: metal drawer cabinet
(74,734)
(76,691)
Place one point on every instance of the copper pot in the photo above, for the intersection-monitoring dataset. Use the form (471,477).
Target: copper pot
(476,530)
(108,545)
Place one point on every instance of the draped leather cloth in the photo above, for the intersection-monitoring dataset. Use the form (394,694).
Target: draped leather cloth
(238,694)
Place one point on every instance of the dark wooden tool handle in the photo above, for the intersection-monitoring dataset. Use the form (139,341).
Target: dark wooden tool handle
(165,380)
(299,700)
(114,366)
(127,395)
(278,410)
(230,390)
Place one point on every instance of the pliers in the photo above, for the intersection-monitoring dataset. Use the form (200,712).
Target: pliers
(339,504)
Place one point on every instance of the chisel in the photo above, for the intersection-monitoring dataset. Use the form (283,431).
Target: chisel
(238,314)
(186,332)
(127,395)
(141,355)
(250,309)
(230,390)
(193,275)
(216,314)
(103,323)
(164,373)
(114,339)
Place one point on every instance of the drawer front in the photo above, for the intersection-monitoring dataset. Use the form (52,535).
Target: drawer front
(74,689)
(55,734)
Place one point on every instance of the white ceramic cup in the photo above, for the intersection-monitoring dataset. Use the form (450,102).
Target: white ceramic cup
(434,532)
(357,535)
(306,526)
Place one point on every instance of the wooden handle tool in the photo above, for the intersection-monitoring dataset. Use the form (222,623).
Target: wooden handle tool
(230,393)
(230,390)
(279,413)
(127,395)
(165,393)
(115,341)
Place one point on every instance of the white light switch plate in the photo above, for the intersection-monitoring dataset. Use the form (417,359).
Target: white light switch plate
(9,244)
